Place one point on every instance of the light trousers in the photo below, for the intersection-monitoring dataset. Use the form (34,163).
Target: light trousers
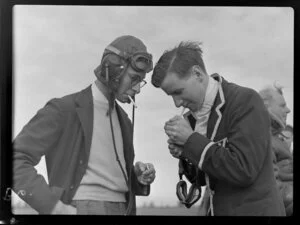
(91,207)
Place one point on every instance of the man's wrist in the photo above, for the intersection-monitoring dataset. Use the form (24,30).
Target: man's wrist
(190,134)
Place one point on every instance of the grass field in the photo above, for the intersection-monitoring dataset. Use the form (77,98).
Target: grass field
(157,211)
(168,211)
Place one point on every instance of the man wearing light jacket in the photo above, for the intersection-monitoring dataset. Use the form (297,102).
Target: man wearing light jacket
(225,135)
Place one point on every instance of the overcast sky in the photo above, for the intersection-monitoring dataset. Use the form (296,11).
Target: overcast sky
(56,49)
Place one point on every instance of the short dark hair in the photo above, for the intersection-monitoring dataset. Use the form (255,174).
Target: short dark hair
(178,60)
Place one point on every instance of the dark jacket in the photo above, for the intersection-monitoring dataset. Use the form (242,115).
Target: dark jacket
(62,131)
(237,155)
(283,166)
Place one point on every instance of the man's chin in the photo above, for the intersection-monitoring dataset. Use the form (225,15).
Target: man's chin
(192,109)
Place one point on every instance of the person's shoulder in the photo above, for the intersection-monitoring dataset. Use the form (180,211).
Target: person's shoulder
(248,92)
(241,95)
(68,101)
(242,92)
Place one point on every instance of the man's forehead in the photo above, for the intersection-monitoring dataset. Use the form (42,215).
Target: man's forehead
(278,98)
(171,83)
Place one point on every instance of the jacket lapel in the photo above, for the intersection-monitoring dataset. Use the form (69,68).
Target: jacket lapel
(126,130)
(216,113)
(85,112)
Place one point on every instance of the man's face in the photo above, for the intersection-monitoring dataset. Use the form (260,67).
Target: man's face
(278,107)
(186,92)
(129,85)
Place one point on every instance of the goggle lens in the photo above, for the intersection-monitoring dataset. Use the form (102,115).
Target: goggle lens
(142,63)
(139,61)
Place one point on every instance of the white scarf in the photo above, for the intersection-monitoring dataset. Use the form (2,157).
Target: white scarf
(202,115)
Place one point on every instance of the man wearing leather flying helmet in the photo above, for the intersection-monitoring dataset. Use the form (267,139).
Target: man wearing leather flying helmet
(127,61)
(86,138)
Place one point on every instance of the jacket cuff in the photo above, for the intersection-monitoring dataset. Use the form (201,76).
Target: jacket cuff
(195,149)
(144,190)
(140,189)
(43,200)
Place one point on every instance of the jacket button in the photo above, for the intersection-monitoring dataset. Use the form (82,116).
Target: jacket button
(71,187)
(80,162)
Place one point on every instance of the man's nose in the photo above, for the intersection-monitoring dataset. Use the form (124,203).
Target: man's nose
(137,88)
(177,102)
(287,110)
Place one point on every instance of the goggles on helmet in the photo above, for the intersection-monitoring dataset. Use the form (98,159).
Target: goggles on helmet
(139,61)
(188,198)
(191,196)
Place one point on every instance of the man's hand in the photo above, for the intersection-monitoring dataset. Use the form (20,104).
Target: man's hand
(175,150)
(61,208)
(178,130)
(145,172)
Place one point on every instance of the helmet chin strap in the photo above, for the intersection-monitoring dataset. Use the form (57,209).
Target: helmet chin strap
(111,93)
(133,111)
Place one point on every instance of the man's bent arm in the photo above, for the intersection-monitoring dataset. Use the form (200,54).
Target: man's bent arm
(34,141)
(240,161)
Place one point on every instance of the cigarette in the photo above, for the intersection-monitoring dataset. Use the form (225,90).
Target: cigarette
(132,101)
(182,112)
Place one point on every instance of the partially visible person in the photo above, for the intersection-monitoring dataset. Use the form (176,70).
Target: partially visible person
(86,138)
(224,136)
(282,157)
(288,134)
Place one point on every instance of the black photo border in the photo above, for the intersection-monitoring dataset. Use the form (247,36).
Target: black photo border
(6,116)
